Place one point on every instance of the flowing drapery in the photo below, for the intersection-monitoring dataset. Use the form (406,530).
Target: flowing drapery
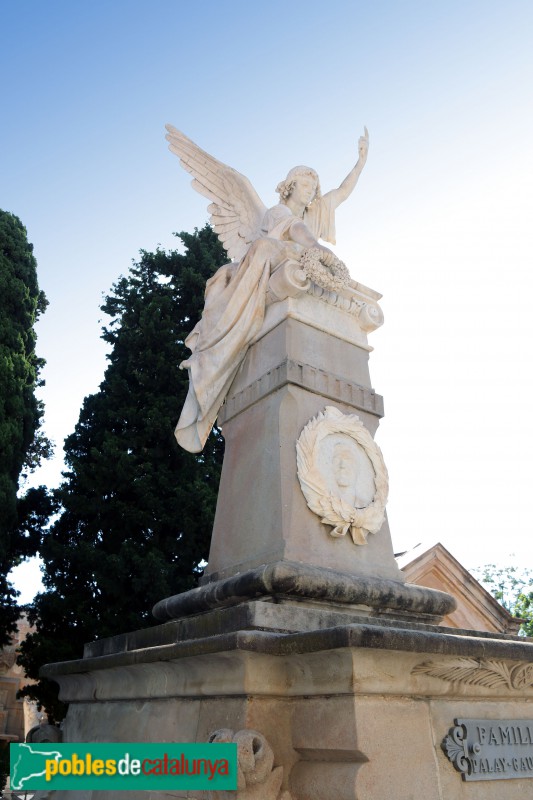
(233,314)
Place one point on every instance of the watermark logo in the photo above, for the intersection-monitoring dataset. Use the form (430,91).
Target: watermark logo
(123,766)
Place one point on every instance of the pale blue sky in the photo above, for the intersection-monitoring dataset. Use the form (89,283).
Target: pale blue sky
(440,222)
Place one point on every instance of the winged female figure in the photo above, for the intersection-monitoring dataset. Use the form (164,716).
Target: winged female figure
(257,240)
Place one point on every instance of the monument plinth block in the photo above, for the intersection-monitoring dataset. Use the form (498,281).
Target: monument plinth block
(297,589)
(298,423)
(358,712)
(289,375)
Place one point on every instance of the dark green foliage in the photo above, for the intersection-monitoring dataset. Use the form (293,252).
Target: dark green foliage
(137,510)
(4,765)
(512,587)
(524,609)
(22,445)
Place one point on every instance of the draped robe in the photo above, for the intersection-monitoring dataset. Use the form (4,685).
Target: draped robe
(234,310)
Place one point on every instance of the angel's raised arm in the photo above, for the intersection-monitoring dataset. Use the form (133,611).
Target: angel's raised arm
(338,196)
(236,209)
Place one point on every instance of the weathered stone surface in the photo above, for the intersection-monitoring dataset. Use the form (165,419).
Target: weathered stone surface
(257,777)
(288,377)
(287,616)
(290,579)
(262,515)
(316,359)
(315,379)
(345,710)
(415,640)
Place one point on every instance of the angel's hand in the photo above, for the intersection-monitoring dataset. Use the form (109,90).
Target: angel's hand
(363,146)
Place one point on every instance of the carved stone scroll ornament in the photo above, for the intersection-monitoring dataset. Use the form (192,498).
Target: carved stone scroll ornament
(44,733)
(332,285)
(342,474)
(489,673)
(257,778)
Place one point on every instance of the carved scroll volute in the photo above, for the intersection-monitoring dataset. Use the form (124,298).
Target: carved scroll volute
(370,317)
(257,778)
(288,280)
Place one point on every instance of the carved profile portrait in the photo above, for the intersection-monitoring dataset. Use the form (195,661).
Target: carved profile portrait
(342,474)
(347,470)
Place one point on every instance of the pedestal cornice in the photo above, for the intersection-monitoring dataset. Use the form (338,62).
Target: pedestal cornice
(319,381)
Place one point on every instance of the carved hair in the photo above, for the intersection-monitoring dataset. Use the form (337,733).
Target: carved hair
(284,189)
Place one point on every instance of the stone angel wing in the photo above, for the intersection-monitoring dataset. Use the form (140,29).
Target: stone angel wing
(236,209)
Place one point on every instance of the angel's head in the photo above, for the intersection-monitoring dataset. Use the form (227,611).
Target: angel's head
(304,179)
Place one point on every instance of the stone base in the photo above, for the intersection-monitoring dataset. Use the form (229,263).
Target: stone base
(352,712)
(284,580)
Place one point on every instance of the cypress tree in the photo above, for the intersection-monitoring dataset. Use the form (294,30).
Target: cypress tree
(22,444)
(137,510)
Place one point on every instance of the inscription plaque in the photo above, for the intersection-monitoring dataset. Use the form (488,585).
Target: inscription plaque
(491,749)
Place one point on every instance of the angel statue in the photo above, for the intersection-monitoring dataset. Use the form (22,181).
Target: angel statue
(257,240)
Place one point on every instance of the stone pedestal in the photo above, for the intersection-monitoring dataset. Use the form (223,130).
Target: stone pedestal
(311,353)
(308,647)
(352,712)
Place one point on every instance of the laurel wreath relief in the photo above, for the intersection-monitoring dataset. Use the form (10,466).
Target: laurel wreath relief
(332,509)
(333,278)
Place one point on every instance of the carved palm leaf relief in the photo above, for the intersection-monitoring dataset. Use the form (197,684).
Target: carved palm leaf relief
(490,673)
